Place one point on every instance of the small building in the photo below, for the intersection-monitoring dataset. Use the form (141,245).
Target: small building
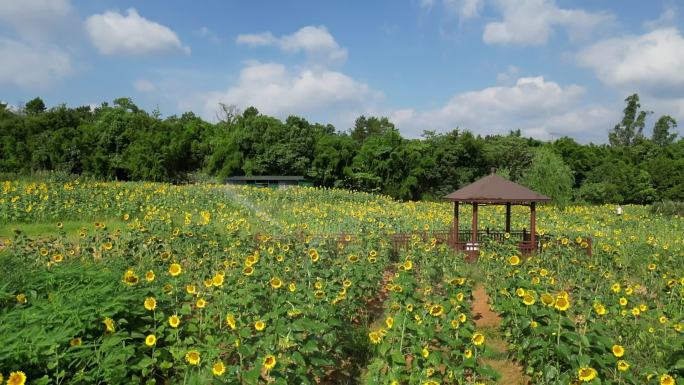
(273,181)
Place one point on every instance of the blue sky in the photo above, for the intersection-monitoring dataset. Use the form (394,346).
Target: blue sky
(549,68)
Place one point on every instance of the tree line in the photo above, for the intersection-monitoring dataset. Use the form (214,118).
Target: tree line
(120,141)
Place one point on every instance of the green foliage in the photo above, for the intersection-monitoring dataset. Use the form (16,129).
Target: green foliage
(120,141)
(661,131)
(630,129)
(669,208)
(550,176)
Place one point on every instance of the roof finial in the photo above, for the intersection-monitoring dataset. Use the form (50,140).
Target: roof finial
(493,170)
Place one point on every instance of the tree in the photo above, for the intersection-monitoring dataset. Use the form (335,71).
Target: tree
(365,128)
(549,175)
(661,131)
(34,106)
(631,127)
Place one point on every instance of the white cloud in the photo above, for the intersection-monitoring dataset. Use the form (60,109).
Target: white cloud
(532,22)
(276,90)
(511,73)
(143,85)
(426,4)
(35,19)
(114,34)
(31,66)
(540,108)
(653,62)
(464,9)
(316,42)
(206,33)
(667,18)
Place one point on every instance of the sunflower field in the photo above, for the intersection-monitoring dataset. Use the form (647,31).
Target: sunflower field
(147,283)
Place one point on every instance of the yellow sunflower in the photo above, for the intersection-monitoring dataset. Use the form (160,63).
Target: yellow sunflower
(150,303)
(259,325)
(193,357)
(665,379)
(175,269)
(174,321)
(276,283)
(622,365)
(618,350)
(16,378)
(218,369)
(586,374)
(150,340)
(230,321)
(269,361)
(478,339)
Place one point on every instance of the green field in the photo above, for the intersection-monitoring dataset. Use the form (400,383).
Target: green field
(161,284)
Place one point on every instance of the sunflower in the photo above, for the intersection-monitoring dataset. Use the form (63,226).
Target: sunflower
(73,342)
(269,361)
(217,280)
(618,350)
(193,357)
(150,303)
(190,289)
(623,301)
(16,378)
(436,310)
(319,294)
(514,260)
(248,270)
(353,258)
(462,317)
(292,287)
(408,265)
(347,283)
(468,353)
(174,321)
(528,300)
(21,298)
(665,379)
(586,374)
(150,340)
(276,283)
(230,321)
(374,337)
(109,325)
(478,339)
(425,352)
(389,321)
(520,292)
(259,325)
(455,324)
(149,276)
(218,369)
(130,278)
(562,304)
(599,309)
(201,303)
(57,258)
(175,269)
(313,254)
(622,365)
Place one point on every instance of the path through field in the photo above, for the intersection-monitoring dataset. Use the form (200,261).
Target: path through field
(489,322)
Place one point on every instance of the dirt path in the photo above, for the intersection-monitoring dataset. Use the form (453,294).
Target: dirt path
(489,322)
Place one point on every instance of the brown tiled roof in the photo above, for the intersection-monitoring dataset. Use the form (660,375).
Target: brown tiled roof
(495,189)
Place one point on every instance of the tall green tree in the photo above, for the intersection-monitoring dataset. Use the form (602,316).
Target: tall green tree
(549,175)
(662,134)
(632,125)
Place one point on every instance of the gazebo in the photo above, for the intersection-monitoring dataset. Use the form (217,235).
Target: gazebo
(494,190)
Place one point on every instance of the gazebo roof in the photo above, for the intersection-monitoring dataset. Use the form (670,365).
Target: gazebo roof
(495,189)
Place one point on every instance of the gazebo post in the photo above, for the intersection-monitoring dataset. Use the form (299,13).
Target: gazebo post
(473,239)
(508,217)
(455,229)
(533,225)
